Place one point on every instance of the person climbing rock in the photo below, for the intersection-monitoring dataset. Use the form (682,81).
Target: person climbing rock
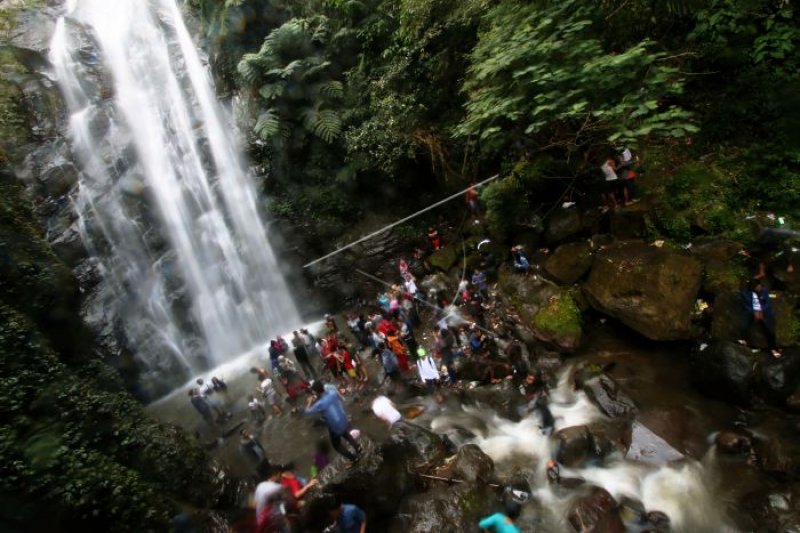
(502,522)
(269,500)
(330,404)
(347,518)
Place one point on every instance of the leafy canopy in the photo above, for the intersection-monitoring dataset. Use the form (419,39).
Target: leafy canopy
(542,71)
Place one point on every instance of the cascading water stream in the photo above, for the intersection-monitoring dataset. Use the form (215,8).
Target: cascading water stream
(684,490)
(166,204)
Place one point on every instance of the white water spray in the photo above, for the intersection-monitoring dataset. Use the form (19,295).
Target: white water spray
(165,201)
(684,490)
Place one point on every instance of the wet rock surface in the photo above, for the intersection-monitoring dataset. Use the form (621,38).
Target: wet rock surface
(649,289)
(570,262)
(595,511)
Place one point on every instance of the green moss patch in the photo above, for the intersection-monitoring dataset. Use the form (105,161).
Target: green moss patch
(560,318)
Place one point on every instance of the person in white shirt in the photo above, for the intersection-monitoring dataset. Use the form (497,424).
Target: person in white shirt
(427,369)
(271,395)
(386,411)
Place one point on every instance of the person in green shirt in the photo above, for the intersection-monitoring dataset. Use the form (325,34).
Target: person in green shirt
(502,523)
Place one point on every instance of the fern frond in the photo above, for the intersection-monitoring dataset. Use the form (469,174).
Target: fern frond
(268,125)
(325,123)
(331,89)
(272,90)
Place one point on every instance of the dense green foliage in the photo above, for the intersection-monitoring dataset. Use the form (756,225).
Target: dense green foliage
(77,452)
(416,95)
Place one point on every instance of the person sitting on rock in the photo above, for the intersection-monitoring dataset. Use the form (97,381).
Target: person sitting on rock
(503,522)
(521,263)
(757,303)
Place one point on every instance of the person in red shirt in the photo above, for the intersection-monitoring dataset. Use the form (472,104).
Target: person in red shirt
(473,199)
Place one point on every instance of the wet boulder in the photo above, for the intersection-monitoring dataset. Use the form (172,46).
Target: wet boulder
(779,378)
(629,223)
(595,511)
(562,224)
(728,320)
(605,393)
(445,258)
(470,464)
(448,508)
(651,290)
(733,442)
(579,445)
(570,262)
(778,456)
(558,323)
(385,473)
(722,272)
(724,371)
(648,447)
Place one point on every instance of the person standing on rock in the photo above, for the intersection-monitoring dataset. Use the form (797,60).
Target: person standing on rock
(329,402)
(301,355)
(444,345)
(521,263)
(274,354)
(757,303)
(200,403)
(611,185)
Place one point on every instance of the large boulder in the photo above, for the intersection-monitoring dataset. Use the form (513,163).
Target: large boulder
(558,323)
(725,371)
(595,511)
(779,378)
(445,258)
(722,271)
(576,446)
(629,223)
(728,320)
(562,224)
(651,290)
(570,262)
(605,393)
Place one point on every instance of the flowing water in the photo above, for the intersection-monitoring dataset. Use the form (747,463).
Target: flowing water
(166,203)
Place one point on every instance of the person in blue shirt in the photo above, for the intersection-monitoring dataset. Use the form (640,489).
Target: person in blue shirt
(521,263)
(329,403)
(348,519)
(758,306)
(479,281)
(502,523)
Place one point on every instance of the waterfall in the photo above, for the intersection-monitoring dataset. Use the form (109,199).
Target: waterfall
(166,204)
